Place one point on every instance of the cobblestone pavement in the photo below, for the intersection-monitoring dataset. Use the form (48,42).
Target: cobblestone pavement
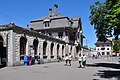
(96,69)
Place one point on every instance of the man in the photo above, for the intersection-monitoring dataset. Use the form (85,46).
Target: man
(84,60)
(38,58)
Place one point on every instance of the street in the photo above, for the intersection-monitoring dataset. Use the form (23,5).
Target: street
(96,69)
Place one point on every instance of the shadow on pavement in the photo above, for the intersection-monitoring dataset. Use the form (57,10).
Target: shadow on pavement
(109,65)
(2,66)
(108,74)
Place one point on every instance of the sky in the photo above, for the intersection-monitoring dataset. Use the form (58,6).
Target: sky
(21,12)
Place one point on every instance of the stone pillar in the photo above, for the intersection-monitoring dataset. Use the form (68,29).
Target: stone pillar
(66,49)
(10,48)
(27,50)
(41,48)
(60,50)
(55,50)
(48,50)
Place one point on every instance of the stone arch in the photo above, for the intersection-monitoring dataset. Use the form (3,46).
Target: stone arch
(23,42)
(44,49)
(71,49)
(35,44)
(2,52)
(62,50)
(51,50)
(58,46)
(78,48)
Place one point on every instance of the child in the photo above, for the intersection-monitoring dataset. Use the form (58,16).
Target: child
(69,59)
(80,60)
(66,59)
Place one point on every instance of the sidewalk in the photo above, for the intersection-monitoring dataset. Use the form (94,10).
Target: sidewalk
(96,69)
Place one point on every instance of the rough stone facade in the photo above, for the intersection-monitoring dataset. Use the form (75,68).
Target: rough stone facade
(11,37)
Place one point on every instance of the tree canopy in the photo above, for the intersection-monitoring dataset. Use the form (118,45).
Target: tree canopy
(105,17)
(116,46)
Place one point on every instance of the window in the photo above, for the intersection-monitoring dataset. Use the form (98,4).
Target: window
(103,53)
(107,48)
(60,34)
(108,53)
(50,34)
(47,24)
(102,48)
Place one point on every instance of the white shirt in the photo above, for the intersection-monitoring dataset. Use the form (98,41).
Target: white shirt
(70,57)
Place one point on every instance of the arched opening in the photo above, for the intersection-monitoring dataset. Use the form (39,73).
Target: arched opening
(58,49)
(51,50)
(71,49)
(35,44)
(3,55)
(44,49)
(23,42)
(62,50)
(78,48)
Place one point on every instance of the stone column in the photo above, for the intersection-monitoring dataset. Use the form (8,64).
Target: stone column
(55,51)
(66,49)
(27,50)
(48,50)
(41,48)
(10,48)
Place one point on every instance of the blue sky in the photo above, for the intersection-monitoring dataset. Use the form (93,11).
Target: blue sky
(21,12)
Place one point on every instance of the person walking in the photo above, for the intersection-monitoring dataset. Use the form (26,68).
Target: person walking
(66,59)
(80,61)
(84,58)
(38,58)
(30,59)
(70,59)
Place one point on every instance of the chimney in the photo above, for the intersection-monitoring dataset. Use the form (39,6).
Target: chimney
(55,9)
(50,12)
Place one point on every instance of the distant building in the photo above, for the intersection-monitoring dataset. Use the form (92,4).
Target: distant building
(104,48)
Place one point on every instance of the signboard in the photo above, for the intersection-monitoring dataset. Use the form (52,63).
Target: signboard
(31,49)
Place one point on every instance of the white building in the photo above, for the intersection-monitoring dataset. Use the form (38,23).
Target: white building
(104,48)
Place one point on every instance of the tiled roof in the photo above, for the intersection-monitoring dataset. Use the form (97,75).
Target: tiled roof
(107,42)
(49,17)
(21,30)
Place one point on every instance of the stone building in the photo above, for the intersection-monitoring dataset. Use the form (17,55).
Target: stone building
(53,35)
(60,27)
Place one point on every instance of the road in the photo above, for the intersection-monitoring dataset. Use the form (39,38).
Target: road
(96,69)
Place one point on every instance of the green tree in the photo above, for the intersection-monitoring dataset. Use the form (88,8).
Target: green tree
(105,17)
(116,46)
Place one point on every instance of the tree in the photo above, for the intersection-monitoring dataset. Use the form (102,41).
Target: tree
(116,46)
(105,17)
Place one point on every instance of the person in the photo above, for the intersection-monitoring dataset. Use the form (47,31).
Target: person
(66,59)
(59,58)
(38,58)
(80,61)
(84,58)
(26,61)
(69,59)
(30,59)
